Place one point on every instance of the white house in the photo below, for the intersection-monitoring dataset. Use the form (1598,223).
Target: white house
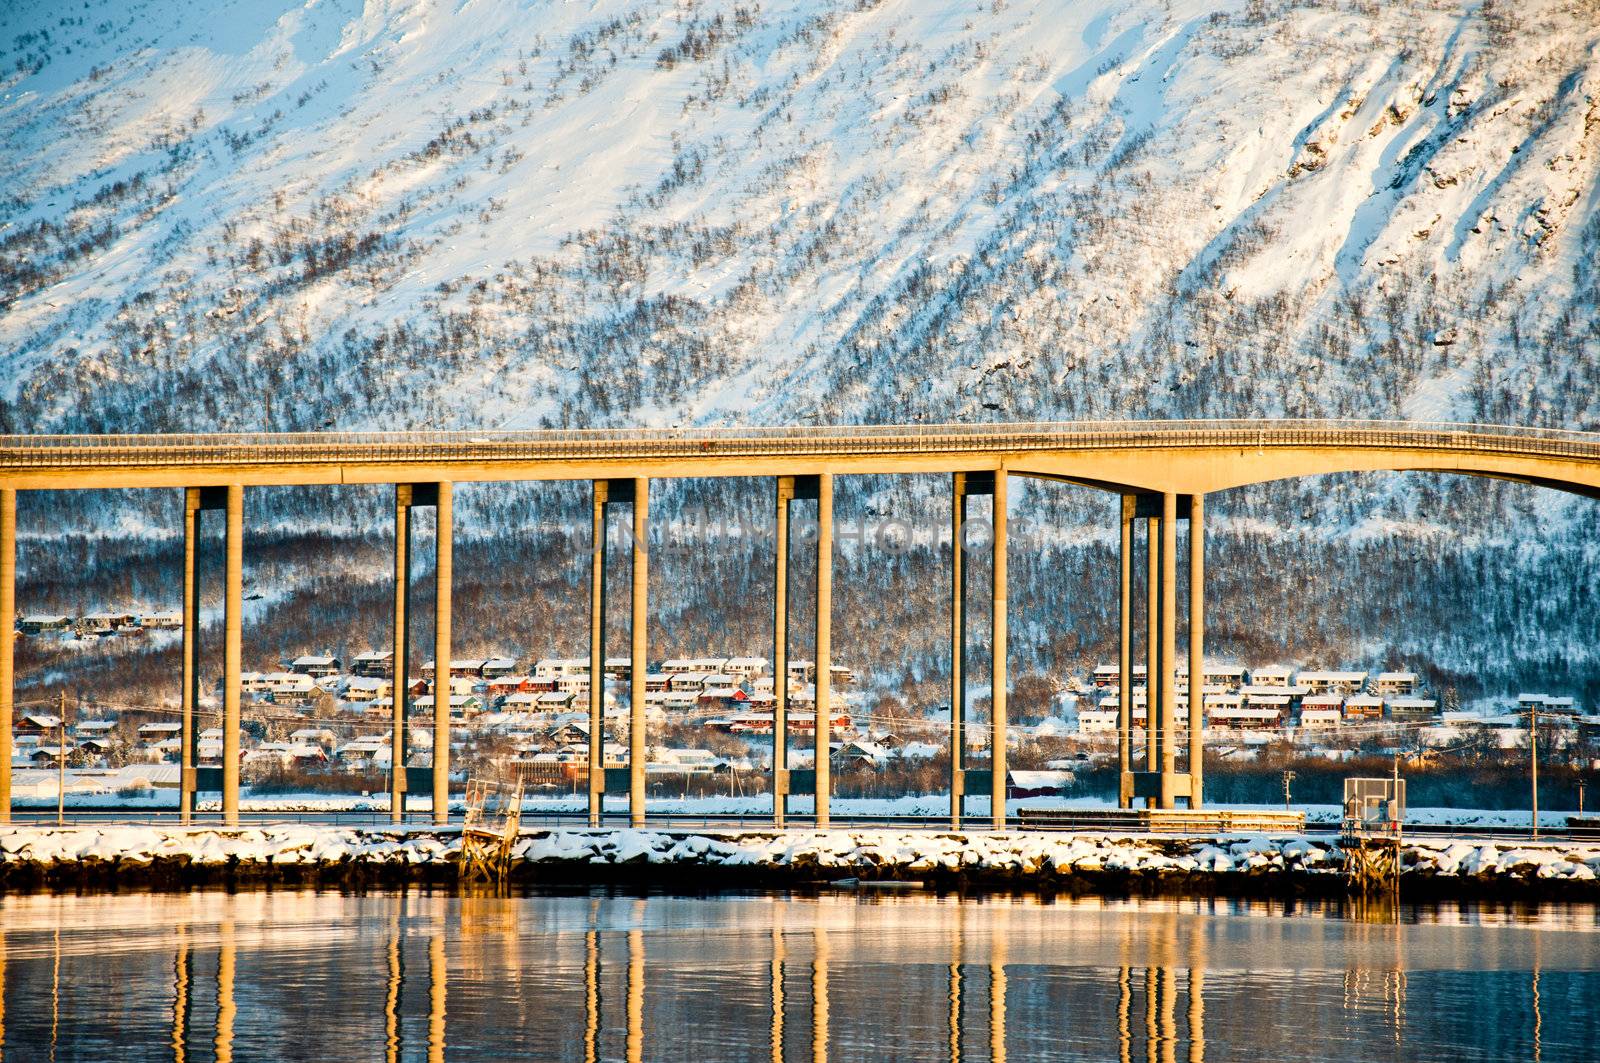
(1402,684)
(1270,675)
(1325,682)
(316,665)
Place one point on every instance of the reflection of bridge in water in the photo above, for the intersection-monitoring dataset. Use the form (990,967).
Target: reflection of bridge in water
(425,977)
(1163,472)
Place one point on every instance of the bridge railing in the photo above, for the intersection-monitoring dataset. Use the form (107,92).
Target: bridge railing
(254,449)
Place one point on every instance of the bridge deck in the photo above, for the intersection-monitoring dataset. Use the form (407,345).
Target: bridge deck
(1061,450)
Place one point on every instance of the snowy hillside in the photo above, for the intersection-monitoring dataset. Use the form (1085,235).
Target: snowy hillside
(521,214)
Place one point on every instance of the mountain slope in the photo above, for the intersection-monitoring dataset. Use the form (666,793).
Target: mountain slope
(496,213)
(253,215)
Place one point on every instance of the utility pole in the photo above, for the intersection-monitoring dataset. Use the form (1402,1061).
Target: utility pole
(1533,757)
(1288,777)
(61,759)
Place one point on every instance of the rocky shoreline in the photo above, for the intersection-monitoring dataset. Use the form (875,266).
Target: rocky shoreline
(117,857)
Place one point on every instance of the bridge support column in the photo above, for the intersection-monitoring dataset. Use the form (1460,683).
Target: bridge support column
(1152,650)
(192,507)
(1125,658)
(196,500)
(443,577)
(232,653)
(637,670)
(780,654)
(997,670)
(1197,628)
(963,486)
(191,645)
(1161,784)
(8,639)
(597,653)
(958,648)
(823,663)
(1169,650)
(402,656)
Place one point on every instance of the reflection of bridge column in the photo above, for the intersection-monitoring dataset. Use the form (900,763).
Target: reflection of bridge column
(1169,1014)
(635,1052)
(226,1009)
(232,653)
(392,1028)
(780,654)
(824,655)
(1169,651)
(597,654)
(957,983)
(997,995)
(591,996)
(1125,657)
(1196,955)
(1538,1012)
(958,648)
(55,992)
(438,991)
(1124,1017)
(180,998)
(444,558)
(997,668)
(402,655)
(956,979)
(8,639)
(819,996)
(775,1037)
(1197,638)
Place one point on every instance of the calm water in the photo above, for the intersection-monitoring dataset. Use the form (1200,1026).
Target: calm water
(843,976)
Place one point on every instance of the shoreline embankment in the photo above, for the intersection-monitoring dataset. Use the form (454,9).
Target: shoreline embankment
(118,857)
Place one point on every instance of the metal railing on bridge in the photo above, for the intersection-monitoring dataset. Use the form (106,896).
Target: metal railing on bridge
(87,451)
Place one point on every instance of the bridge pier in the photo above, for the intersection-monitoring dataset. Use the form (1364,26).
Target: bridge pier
(600,498)
(191,648)
(196,500)
(1197,628)
(997,669)
(791,489)
(1125,657)
(1152,650)
(638,668)
(443,576)
(8,639)
(1169,651)
(406,498)
(232,651)
(963,485)
(784,498)
(634,492)
(958,648)
(1161,784)
(402,655)
(824,655)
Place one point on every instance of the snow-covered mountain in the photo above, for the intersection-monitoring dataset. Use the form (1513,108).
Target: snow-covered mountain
(520,213)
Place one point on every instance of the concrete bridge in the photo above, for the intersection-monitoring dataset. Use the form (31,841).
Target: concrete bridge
(1162,469)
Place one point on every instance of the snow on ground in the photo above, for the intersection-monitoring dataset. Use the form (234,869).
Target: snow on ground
(826,854)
